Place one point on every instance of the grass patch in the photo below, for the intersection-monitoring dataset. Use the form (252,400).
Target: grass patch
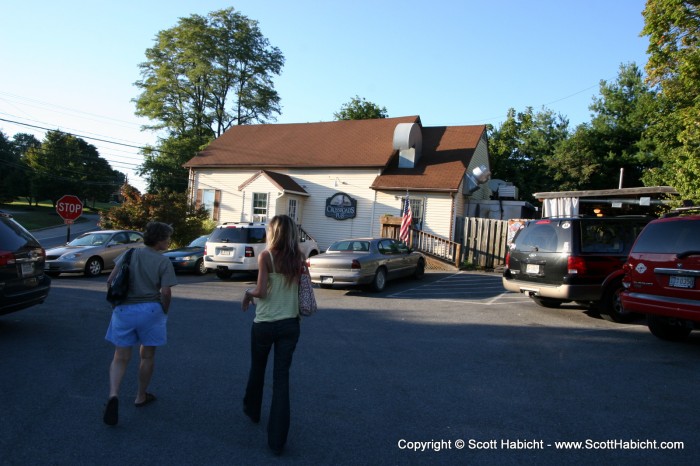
(43,215)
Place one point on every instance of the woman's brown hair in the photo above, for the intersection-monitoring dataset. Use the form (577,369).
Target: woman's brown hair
(283,241)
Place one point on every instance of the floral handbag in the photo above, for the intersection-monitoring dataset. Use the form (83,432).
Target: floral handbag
(307,300)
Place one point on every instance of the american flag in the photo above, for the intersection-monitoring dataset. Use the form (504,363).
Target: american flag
(406,221)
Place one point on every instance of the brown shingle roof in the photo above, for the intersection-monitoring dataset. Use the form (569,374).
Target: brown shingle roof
(447,151)
(280,180)
(346,144)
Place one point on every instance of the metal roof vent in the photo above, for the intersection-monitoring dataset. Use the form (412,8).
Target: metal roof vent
(408,140)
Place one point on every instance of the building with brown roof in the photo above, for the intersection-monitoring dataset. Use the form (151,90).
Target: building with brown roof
(338,178)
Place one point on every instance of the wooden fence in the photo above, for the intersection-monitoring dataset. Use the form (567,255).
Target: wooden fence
(482,242)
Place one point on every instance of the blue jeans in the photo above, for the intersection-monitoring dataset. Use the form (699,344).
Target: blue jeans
(283,334)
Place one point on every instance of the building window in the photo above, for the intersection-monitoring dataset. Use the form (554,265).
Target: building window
(292,210)
(211,200)
(259,207)
(416,211)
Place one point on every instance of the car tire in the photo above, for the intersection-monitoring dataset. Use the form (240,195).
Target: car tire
(610,307)
(224,274)
(547,302)
(379,282)
(93,267)
(420,270)
(667,329)
(200,268)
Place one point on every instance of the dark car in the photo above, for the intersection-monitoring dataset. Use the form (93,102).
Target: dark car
(22,279)
(365,261)
(190,258)
(663,276)
(559,260)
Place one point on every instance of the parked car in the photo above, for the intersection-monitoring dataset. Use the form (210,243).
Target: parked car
(92,252)
(234,247)
(559,260)
(22,279)
(365,261)
(190,258)
(662,277)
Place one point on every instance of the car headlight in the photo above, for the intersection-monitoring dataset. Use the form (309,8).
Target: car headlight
(71,256)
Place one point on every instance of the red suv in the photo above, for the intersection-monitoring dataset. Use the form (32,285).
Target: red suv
(662,275)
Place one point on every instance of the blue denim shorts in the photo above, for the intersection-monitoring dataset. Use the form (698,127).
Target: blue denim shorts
(143,323)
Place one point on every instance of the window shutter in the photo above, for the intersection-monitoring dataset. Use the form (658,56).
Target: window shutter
(217,203)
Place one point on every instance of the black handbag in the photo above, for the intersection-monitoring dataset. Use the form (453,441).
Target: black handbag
(119,288)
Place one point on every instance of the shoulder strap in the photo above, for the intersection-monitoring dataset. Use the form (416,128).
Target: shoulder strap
(127,257)
(272,260)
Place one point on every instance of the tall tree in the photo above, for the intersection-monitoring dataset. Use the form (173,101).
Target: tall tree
(673,29)
(592,158)
(66,164)
(521,146)
(360,109)
(200,78)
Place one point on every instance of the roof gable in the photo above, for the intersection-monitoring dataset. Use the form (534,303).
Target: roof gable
(447,152)
(281,181)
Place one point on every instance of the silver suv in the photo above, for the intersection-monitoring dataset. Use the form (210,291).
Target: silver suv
(234,247)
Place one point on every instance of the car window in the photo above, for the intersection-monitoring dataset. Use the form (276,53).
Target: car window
(341,246)
(543,236)
(135,237)
(386,246)
(238,235)
(669,237)
(609,236)
(120,238)
(90,239)
(13,236)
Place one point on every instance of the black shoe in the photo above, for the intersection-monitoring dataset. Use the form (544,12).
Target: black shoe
(252,416)
(111,415)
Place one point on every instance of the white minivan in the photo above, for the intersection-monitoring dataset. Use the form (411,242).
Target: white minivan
(234,247)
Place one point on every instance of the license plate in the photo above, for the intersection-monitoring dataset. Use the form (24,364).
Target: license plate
(27,269)
(328,280)
(681,282)
(225,252)
(532,268)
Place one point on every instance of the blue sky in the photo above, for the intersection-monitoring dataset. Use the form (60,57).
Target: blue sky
(71,65)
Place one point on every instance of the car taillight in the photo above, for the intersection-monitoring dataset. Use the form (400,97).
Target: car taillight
(6,258)
(355,264)
(249,252)
(308,262)
(508,260)
(576,265)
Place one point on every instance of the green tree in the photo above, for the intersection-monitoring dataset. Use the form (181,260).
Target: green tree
(66,164)
(200,78)
(673,29)
(521,146)
(166,206)
(614,139)
(360,109)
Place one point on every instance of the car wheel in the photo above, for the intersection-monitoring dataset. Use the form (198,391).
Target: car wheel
(93,267)
(200,268)
(379,282)
(224,274)
(420,270)
(547,302)
(667,329)
(610,306)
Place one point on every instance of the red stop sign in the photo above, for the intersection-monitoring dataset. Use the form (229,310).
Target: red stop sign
(69,207)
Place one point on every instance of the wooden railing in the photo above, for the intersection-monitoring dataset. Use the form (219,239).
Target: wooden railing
(483,241)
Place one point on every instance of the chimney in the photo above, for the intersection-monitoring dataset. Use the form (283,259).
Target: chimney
(408,140)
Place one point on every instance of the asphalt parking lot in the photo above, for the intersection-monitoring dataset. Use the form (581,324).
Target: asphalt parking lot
(447,370)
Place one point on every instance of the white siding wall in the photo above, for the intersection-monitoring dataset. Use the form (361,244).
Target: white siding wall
(437,210)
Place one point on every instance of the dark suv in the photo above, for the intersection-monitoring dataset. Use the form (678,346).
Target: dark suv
(663,275)
(22,279)
(558,260)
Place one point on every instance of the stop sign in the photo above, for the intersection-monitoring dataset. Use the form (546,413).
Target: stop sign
(69,207)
